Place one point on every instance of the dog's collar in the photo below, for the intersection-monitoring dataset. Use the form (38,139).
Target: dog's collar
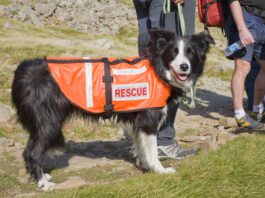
(188,102)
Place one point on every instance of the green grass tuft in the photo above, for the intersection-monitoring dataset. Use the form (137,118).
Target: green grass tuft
(5,2)
(224,75)
(129,3)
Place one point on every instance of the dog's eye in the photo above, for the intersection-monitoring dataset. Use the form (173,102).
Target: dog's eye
(176,50)
(189,50)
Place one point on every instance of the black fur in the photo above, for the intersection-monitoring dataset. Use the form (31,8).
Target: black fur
(42,108)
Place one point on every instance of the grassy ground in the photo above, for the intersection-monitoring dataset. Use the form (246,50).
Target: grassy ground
(235,170)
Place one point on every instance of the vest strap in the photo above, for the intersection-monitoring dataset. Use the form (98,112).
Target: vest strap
(107,79)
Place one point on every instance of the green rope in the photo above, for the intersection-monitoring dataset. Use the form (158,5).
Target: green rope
(190,103)
(181,19)
(166,6)
(166,10)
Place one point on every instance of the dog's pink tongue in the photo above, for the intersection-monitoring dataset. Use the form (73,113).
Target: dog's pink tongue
(183,76)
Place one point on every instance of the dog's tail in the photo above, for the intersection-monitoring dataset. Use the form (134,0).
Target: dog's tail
(41,107)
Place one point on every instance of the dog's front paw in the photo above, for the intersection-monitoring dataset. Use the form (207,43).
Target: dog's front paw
(169,170)
(45,185)
(48,186)
(164,170)
(48,176)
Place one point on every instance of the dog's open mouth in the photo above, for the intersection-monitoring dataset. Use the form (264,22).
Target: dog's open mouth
(181,77)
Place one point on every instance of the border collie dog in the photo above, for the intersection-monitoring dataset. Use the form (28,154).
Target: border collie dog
(42,108)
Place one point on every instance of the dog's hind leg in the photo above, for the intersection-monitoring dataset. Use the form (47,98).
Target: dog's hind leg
(37,155)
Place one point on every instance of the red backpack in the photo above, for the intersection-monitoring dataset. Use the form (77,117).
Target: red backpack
(211,13)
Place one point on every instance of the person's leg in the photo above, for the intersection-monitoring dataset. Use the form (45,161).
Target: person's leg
(258,112)
(170,21)
(166,134)
(259,91)
(167,145)
(142,12)
(242,68)
(250,82)
(189,16)
(155,13)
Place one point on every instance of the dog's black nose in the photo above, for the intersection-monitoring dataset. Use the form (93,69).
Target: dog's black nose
(184,67)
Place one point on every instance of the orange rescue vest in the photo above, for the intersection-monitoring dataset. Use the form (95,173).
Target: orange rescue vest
(109,84)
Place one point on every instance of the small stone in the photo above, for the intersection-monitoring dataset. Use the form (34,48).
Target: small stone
(223,137)
(104,44)
(36,20)
(190,138)
(23,136)
(221,128)
(5,113)
(227,122)
(71,182)
(6,142)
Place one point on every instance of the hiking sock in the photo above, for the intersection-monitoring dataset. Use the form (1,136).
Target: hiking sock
(239,113)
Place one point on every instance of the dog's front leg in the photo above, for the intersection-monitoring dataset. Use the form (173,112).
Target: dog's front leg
(148,154)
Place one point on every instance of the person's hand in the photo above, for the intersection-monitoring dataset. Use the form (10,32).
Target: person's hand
(246,37)
(178,1)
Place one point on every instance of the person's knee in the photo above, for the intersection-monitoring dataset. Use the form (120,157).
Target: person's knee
(242,67)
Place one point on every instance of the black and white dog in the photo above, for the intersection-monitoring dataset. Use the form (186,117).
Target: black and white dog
(42,108)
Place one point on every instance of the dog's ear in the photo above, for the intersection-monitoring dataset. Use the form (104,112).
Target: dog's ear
(156,34)
(161,43)
(159,37)
(203,40)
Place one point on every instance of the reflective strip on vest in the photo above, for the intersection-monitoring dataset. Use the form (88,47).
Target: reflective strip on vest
(134,87)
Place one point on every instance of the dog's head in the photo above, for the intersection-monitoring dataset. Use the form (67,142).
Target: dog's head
(179,60)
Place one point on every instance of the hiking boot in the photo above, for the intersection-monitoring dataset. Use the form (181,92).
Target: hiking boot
(258,116)
(248,122)
(174,151)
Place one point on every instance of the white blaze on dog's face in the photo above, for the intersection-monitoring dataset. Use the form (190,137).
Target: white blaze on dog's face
(179,60)
(180,65)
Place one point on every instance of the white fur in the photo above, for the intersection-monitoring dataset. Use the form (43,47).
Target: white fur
(180,59)
(164,111)
(44,183)
(48,176)
(168,75)
(148,154)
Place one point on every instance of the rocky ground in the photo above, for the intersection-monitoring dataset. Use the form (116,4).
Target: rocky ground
(105,16)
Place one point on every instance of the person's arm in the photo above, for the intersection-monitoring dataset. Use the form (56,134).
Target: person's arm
(245,36)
